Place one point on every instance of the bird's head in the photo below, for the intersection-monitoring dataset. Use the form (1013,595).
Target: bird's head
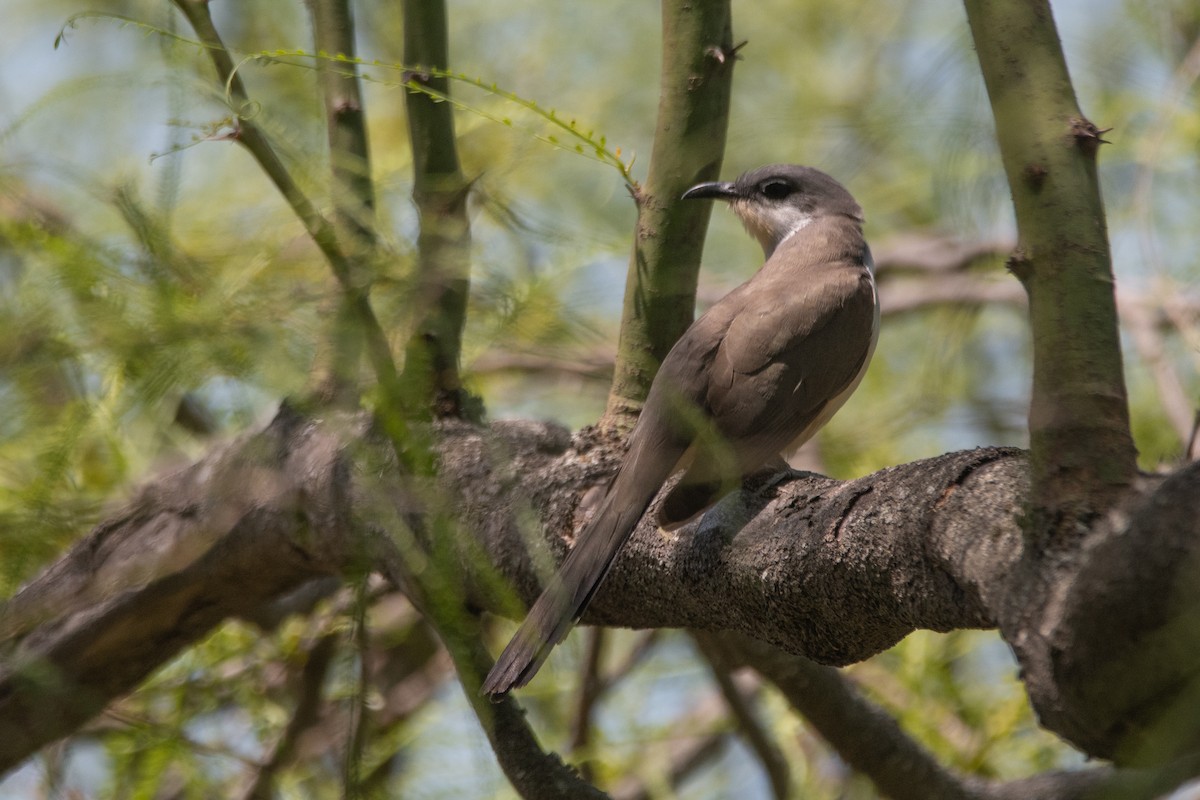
(775,201)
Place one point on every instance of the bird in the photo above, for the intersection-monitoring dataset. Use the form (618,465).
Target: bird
(753,378)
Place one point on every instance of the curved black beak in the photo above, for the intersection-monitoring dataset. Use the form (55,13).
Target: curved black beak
(714,190)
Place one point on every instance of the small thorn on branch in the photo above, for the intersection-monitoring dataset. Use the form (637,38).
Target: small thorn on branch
(1019,264)
(723,55)
(1087,135)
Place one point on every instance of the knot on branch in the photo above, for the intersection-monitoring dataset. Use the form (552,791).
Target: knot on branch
(423,77)
(1035,176)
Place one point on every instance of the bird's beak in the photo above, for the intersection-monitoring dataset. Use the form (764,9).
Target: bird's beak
(715,190)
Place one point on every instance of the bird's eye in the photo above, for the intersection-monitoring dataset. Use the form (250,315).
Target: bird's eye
(776,190)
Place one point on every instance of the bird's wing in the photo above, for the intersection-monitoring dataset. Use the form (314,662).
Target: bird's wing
(782,361)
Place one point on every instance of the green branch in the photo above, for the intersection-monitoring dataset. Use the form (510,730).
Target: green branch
(431,368)
(1082,450)
(248,134)
(353,194)
(689,146)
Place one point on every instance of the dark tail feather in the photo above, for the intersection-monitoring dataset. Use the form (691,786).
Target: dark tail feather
(582,571)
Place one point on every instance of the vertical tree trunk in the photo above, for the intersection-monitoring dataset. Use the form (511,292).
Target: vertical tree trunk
(1082,449)
(689,145)
(431,365)
(353,193)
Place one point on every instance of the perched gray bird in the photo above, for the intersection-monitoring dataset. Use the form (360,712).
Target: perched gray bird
(756,376)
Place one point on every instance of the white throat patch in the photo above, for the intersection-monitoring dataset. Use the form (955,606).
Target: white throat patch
(770,225)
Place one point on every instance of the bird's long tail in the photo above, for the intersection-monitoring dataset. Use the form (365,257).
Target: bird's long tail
(570,590)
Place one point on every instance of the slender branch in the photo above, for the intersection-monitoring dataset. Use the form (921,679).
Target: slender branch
(322,232)
(907,295)
(440,191)
(689,146)
(928,252)
(352,187)
(304,716)
(590,688)
(358,718)
(1082,451)
(595,364)
(739,699)
(684,759)
(686,753)
(349,152)
(641,650)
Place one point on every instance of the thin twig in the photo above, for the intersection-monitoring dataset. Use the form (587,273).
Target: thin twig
(359,717)
(686,753)
(739,699)
(590,688)
(304,716)
(1152,350)
(641,649)
(685,759)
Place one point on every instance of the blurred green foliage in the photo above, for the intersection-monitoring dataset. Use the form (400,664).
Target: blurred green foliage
(155,293)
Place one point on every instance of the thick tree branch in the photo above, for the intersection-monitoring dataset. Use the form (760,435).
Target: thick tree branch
(833,570)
